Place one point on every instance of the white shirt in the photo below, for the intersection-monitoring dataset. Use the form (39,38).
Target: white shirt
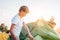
(18,25)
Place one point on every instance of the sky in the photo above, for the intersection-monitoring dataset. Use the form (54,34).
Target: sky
(38,8)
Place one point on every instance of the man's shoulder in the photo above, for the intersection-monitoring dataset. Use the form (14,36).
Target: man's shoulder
(15,17)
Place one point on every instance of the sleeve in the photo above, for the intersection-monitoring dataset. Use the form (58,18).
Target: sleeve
(14,21)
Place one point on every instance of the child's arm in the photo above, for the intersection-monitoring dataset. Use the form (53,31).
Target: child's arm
(27,30)
(12,34)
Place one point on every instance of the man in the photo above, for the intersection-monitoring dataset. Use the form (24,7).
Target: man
(51,23)
(3,28)
(17,24)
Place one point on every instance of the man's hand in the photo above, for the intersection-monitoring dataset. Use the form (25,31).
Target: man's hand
(30,36)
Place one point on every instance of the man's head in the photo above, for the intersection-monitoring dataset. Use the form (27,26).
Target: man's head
(52,18)
(23,10)
(3,25)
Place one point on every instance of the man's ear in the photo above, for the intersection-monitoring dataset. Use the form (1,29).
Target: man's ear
(21,11)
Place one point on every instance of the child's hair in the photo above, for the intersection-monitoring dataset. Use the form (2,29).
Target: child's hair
(23,8)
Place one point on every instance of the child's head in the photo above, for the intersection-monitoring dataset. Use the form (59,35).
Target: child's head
(23,10)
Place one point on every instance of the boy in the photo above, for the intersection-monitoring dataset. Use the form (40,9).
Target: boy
(17,23)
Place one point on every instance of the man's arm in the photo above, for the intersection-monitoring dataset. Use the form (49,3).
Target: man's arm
(27,30)
(11,31)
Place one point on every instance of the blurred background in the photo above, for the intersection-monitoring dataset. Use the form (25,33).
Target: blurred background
(38,8)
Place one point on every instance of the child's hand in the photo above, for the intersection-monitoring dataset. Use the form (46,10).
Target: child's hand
(30,36)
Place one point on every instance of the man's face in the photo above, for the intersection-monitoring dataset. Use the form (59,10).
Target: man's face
(52,19)
(24,13)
